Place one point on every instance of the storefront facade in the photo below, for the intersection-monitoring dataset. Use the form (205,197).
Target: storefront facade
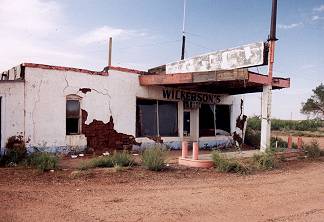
(62,109)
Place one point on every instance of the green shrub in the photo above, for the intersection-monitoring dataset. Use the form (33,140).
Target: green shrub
(122,159)
(254,123)
(265,161)
(15,150)
(312,150)
(154,158)
(43,161)
(252,137)
(278,124)
(223,164)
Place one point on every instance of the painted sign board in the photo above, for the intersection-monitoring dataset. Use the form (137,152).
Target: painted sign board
(240,57)
(190,96)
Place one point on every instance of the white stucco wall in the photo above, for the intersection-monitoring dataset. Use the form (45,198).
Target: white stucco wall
(12,109)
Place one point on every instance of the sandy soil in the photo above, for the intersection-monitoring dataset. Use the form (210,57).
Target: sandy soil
(295,192)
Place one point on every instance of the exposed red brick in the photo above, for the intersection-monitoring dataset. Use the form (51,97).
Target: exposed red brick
(103,137)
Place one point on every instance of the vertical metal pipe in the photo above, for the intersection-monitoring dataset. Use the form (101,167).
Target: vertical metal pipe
(273,25)
(183,47)
(110,51)
(183,31)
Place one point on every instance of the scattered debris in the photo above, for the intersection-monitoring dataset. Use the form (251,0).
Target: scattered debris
(106,153)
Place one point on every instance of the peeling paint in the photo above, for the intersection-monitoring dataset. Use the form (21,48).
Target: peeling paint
(239,57)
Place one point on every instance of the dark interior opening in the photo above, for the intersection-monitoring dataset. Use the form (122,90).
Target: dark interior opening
(168,118)
(72,117)
(156,118)
(223,118)
(208,114)
(206,120)
(146,117)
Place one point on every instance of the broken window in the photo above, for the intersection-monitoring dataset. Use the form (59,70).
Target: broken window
(213,119)
(223,117)
(168,118)
(146,117)
(156,118)
(206,120)
(72,116)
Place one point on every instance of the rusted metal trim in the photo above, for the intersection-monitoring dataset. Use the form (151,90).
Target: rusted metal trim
(122,69)
(162,79)
(264,79)
(62,68)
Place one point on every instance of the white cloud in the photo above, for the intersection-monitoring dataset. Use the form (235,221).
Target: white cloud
(31,15)
(37,31)
(316,17)
(290,26)
(319,8)
(30,31)
(101,34)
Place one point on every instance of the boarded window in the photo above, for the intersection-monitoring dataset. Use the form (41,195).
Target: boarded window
(156,118)
(72,117)
(213,118)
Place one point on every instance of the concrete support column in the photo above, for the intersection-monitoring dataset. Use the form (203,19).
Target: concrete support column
(195,149)
(184,150)
(266,118)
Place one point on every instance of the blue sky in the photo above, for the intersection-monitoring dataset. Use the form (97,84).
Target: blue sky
(147,33)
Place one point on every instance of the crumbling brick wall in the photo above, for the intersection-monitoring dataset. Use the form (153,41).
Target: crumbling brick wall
(103,137)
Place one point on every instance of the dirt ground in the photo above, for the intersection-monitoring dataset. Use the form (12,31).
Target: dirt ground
(294,192)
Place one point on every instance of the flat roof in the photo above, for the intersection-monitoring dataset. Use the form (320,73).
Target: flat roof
(91,72)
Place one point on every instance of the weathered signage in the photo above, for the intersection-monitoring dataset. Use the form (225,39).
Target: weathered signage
(190,96)
(234,58)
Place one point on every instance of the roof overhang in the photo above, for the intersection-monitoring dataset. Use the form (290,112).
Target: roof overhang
(237,81)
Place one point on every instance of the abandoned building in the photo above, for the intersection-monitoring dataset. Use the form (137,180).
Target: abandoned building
(63,109)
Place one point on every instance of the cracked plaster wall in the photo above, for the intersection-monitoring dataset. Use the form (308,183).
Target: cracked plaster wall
(46,92)
(12,110)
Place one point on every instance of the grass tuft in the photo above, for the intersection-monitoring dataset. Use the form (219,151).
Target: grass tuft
(43,161)
(223,164)
(122,159)
(118,159)
(265,161)
(312,150)
(154,158)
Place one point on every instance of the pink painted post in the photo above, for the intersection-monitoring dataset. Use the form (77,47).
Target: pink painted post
(289,142)
(299,142)
(184,150)
(195,150)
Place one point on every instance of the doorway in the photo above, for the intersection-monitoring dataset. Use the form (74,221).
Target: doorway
(0,124)
(186,123)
